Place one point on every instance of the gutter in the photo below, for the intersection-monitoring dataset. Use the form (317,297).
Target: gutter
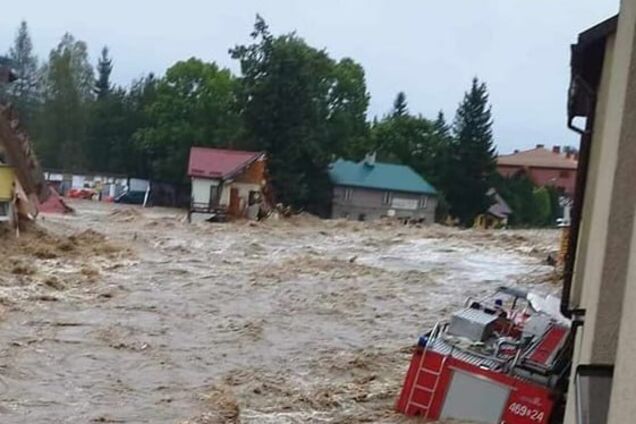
(587,59)
(577,314)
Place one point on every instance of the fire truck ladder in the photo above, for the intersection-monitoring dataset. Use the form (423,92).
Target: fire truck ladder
(437,373)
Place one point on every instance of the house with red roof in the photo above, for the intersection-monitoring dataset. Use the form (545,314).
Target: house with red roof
(544,167)
(226,182)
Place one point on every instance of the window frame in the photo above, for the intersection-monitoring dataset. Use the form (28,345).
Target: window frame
(423,203)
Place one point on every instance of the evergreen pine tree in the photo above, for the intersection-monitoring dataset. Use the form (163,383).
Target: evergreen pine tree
(68,90)
(104,69)
(400,107)
(472,155)
(24,92)
(441,129)
(441,164)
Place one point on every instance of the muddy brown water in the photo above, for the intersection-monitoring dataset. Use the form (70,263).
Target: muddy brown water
(297,321)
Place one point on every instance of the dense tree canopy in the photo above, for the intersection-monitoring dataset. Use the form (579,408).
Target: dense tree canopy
(302,108)
(472,164)
(103,85)
(68,88)
(291,100)
(24,93)
(413,140)
(195,105)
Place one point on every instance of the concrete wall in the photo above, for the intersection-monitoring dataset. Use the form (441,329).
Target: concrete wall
(371,204)
(621,268)
(605,280)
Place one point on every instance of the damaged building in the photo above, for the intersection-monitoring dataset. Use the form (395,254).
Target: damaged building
(226,183)
(6,192)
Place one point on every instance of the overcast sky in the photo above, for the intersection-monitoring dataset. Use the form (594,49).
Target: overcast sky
(429,49)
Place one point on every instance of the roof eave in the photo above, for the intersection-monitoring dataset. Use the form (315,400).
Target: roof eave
(525,165)
(244,165)
(349,184)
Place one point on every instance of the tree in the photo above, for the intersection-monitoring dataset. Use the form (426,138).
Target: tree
(116,115)
(472,161)
(400,108)
(441,129)
(132,157)
(405,139)
(109,130)
(5,66)
(518,191)
(541,198)
(297,102)
(106,117)
(24,93)
(195,104)
(414,141)
(104,69)
(68,85)
(531,205)
(348,103)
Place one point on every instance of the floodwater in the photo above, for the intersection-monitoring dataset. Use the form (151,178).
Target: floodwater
(291,321)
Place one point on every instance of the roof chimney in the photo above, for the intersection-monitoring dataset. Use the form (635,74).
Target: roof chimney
(556,149)
(540,146)
(568,154)
(369,159)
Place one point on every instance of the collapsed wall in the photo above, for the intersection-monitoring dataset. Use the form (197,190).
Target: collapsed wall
(28,184)
(18,152)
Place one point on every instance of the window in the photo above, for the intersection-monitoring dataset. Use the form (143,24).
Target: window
(4,211)
(564,174)
(388,196)
(423,202)
(213,200)
(348,194)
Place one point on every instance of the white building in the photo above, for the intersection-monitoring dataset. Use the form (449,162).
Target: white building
(225,181)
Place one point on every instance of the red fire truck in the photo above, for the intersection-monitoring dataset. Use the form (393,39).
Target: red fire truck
(500,360)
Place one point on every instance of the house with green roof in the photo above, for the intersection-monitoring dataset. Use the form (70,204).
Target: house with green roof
(369,190)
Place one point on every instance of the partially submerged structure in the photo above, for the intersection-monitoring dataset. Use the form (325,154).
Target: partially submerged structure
(497,214)
(7,188)
(370,190)
(26,179)
(598,279)
(226,182)
(498,360)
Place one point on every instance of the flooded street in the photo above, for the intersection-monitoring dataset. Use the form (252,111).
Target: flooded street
(290,321)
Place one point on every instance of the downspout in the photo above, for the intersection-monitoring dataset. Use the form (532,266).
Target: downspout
(577,313)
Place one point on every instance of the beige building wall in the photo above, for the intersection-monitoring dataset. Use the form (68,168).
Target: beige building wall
(201,189)
(605,273)
(623,224)
(243,192)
